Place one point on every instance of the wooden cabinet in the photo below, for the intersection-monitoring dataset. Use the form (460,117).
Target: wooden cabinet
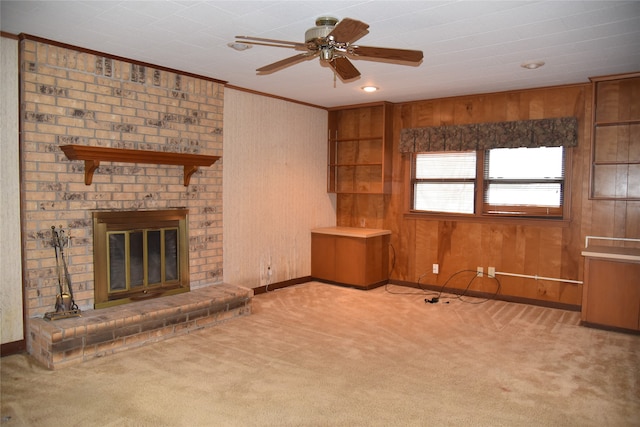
(359,149)
(350,256)
(615,148)
(611,290)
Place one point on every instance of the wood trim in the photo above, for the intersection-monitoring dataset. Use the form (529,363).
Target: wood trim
(614,77)
(9,35)
(348,285)
(609,328)
(272,287)
(504,219)
(616,123)
(477,294)
(268,95)
(592,137)
(15,347)
(368,104)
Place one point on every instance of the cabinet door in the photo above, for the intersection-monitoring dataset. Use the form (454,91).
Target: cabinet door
(350,260)
(377,260)
(323,265)
(613,293)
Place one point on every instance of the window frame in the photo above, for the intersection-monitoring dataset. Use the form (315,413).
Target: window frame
(483,211)
(415,180)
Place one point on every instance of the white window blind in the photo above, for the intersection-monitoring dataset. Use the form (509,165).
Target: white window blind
(445,182)
(524,177)
(446,165)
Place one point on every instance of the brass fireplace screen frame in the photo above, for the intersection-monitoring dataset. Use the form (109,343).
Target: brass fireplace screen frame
(106,223)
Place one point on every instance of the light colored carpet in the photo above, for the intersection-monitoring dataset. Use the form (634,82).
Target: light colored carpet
(323,355)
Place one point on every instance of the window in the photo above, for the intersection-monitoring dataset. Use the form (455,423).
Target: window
(524,181)
(445,182)
(513,181)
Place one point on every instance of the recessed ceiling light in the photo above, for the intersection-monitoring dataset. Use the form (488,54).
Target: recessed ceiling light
(532,65)
(369,88)
(239,46)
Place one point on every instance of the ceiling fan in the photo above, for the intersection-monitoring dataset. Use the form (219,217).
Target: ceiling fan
(331,41)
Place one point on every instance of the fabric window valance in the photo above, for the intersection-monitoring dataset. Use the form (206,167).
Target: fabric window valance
(554,132)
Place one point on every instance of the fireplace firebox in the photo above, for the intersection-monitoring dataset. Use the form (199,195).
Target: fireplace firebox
(139,255)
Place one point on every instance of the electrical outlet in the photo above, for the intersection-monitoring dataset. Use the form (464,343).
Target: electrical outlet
(436,269)
(491,271)
(480,272)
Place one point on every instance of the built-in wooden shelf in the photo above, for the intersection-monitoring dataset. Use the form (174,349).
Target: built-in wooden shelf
(614,153)
(92,157)
(360,149)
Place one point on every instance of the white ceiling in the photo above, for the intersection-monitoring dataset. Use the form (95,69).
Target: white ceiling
(469,47)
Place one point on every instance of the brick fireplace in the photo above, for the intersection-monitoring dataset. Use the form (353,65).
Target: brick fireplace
(72,96)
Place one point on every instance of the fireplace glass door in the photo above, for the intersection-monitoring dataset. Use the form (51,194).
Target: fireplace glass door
(142,258)
(139,255)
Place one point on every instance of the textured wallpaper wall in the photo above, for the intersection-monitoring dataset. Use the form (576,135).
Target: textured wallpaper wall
(275,187)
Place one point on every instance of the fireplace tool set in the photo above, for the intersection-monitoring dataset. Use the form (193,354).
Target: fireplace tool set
(65,305)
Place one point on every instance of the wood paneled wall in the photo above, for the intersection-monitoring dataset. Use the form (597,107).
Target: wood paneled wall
(538,248)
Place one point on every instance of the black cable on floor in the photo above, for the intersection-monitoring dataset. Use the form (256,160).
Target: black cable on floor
(437,295)
(466,289)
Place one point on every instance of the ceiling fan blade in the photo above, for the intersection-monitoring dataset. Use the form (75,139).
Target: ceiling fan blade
(277,43)
(387,53)
(349,30)
(344,68)
(285,63)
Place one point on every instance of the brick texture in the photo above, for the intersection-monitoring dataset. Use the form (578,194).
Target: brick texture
(100,333)
(74,97)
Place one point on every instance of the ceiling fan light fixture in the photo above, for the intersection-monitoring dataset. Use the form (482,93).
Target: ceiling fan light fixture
(315,37)
(326,21)
(370,88)
(532,65)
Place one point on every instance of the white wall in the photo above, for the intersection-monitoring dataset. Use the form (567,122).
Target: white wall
(11,326)
(274,187)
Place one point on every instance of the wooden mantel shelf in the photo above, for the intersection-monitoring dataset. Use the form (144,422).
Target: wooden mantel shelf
(92,157)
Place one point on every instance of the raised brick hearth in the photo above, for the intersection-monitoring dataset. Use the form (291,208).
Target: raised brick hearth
(98,333)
